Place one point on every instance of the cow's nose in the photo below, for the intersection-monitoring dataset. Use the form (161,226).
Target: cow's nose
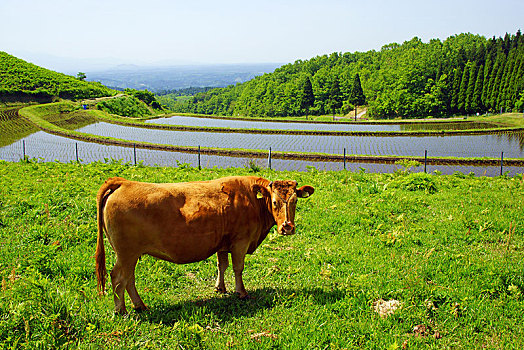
(287,226)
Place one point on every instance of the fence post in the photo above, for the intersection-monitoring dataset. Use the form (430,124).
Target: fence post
(23,148)
(269,158)
(425,160)
(199,167)
(134,152)
(344,158)
(501,162)
(76,151)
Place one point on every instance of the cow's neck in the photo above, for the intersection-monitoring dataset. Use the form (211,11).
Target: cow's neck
(268,220)
(266,210)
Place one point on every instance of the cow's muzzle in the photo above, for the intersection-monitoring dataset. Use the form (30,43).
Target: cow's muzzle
(287,229)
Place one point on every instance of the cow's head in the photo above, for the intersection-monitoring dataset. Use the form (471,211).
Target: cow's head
(282,196)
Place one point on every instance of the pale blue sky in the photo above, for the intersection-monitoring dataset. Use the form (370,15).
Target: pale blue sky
(233,31)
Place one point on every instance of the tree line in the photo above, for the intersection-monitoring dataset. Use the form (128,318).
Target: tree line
(463,74)
(190,91)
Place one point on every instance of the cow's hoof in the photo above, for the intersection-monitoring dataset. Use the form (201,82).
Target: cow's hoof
(140,308)
(220,290)
(245,297)
(121,312)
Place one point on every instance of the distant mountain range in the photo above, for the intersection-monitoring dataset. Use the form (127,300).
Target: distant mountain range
(158,79)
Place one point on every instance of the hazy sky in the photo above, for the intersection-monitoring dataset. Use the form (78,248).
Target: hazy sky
(230,31)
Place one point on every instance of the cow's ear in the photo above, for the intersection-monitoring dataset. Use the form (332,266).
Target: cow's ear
(305,191)
(261,191)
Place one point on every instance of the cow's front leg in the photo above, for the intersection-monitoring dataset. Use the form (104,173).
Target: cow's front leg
(238,255)
(223,263)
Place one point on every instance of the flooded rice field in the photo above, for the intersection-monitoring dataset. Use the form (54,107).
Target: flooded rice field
(491,145)
(339,126)
(46,147)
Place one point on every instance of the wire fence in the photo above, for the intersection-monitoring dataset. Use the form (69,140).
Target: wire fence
(45,147)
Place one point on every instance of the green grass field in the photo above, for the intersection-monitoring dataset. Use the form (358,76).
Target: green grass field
(449,249)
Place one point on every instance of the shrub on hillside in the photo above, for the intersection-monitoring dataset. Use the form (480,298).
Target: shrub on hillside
(127,106)
(416,182)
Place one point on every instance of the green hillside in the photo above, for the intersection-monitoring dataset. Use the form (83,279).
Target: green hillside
(24,81)
(464,74)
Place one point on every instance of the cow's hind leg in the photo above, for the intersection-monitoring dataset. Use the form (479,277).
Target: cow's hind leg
(133,294)
(121,275)
(223,263)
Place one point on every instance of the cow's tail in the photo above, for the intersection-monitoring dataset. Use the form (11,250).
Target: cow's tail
(100,256)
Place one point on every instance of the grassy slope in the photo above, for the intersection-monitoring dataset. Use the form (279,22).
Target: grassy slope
(510,119)
(449,257)
(19,76)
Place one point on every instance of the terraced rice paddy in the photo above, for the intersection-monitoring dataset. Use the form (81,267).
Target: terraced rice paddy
(338,126)
(46,147)
(512,144)
(12,127)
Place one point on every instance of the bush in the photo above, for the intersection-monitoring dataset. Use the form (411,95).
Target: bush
(127,106)
(418,182)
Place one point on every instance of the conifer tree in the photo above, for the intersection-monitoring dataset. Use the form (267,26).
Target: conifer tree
(307,98)
(517,78)
(485,80)
(503,98)
(335,100)
(495,94)
(461,102)
(511,80)
(490,82)
(506,44)
(494,82)
(457,74)
(471,87)
(357,96)
(476,101)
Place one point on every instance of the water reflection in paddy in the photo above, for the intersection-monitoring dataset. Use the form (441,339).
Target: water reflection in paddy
(47,147)
(512,144)
(276,125)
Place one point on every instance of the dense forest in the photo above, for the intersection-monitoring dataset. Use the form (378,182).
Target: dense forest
(171,98)
(21,80)
(464,74)
(193,90)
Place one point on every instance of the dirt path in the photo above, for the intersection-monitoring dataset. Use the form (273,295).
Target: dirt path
(359,116)
(96,100)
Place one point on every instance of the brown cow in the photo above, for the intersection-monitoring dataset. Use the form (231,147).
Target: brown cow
(189,222)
